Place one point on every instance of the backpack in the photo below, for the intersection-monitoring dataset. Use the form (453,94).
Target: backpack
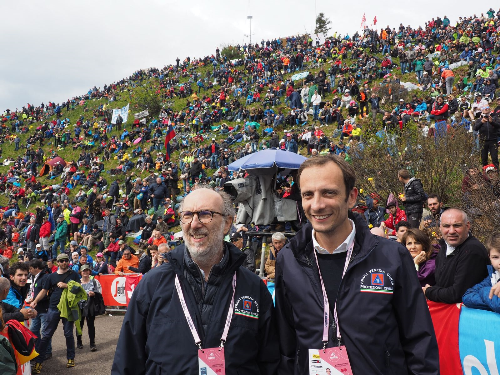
(22,340)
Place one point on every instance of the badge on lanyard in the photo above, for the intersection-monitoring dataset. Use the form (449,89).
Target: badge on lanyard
(330,361)
(211,361)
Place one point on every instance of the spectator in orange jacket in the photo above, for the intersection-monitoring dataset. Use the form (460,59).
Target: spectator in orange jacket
(128,260)
(346,130)
(157,238)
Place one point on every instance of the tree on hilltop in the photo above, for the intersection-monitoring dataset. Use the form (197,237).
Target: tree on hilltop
(322,24)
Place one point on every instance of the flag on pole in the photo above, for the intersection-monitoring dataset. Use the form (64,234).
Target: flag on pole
(363,21)
(170,135)
(375,20)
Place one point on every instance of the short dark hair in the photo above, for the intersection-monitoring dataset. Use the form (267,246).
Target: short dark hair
(404,174)
(347,171)
(402,223)
(18,266)
(434,196)
(152,247)
(37,263)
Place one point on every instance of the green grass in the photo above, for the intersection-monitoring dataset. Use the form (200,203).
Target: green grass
(125,97)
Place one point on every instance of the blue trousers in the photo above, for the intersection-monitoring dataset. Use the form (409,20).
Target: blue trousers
(58,243)
(37,326)
(52,321)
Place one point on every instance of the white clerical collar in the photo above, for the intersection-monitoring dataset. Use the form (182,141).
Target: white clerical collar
(451,249)
(343,246)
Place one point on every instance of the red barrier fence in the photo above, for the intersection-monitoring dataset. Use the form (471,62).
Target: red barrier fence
(117,290)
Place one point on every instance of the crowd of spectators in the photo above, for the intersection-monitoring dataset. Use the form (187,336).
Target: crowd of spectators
(234,108)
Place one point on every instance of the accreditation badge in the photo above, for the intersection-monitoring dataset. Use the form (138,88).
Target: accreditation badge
(329,361)
(211,361)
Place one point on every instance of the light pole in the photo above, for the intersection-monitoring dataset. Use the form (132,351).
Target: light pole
(250,18)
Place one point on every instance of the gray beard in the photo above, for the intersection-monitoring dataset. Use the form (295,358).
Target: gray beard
(206,258)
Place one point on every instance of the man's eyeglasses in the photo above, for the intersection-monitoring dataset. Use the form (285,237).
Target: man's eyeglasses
(204,216)
(63,261)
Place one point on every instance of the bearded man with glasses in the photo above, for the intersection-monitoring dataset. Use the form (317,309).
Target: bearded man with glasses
(54,284)
(182,314)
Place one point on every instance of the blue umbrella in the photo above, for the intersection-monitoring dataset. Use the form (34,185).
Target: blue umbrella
(268,159)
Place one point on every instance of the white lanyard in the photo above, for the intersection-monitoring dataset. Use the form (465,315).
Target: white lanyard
(326,304)
(190,322)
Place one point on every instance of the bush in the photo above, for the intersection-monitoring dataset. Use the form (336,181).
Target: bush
(441,164)
(232,52)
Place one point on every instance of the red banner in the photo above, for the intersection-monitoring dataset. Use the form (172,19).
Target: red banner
(445,318)
(117,290)
(131,283)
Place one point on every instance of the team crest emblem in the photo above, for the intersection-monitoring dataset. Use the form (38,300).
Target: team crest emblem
(377,281)
(248,307)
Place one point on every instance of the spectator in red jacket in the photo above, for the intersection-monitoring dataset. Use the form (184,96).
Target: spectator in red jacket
(395,216)
(45,231)
(112,250)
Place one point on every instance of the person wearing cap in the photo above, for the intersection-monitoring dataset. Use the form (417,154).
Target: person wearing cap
(60,236)
(204,273)
(56,283)
(40,253)
(237,240)
(291,144)
(100,266)
(396,215)
(92,286)
(161,225)
(488,128)
(127,260)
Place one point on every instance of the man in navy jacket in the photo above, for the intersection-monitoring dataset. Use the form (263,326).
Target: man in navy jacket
(383,317)
(155,336)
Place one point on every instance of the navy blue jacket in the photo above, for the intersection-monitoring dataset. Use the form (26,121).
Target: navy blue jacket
(155,337)
(386,328)
(159,190)
(478,297)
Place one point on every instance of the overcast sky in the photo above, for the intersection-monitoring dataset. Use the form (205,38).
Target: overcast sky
(55,49)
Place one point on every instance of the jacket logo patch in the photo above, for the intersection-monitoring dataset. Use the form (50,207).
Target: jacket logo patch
(377,281)
(248,307)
